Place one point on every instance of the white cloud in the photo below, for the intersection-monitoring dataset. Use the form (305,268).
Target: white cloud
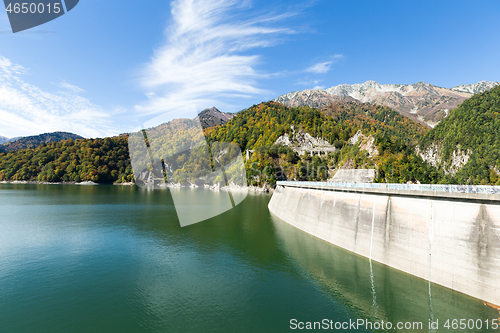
(309,83)
(320,68)
(202,61)
(323,67)
(70,87)
(26,110)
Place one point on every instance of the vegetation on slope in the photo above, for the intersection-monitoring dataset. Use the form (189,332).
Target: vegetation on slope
(473,126)
(395,137)
(98,160)
(261,125)
(376,120)
(35,140)
(257,128)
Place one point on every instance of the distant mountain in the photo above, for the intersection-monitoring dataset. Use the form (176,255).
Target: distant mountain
(96,160)
(314,98)
(213,117)
(476,88)
(419,101)
(4,139)
(36,140)
(463,148)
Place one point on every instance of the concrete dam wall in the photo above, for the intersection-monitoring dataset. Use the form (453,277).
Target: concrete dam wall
(451,239)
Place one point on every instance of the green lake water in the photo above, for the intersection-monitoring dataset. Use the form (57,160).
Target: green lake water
(115,259)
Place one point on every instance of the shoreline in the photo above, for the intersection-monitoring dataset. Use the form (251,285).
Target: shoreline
(35,182)
(232,187)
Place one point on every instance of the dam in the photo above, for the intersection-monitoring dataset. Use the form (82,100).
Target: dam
(446,234)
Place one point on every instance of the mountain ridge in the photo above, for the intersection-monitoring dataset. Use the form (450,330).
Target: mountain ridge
(213,117)
(463,149)
(420,101)
(4,139)
(476,88)
(36,140)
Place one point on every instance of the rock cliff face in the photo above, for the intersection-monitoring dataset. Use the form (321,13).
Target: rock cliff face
(366,143)
(302,142)
(434,156)
(419,101)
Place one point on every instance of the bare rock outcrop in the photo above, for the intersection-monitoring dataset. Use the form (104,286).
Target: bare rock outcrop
(302,142)
(366,143)
(434,156)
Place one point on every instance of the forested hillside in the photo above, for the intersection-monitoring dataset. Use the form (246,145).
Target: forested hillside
(98,160)
(262,124)
(257,128)
(377,120)
(473,128)
(36,140)
(395,137)
(388,143)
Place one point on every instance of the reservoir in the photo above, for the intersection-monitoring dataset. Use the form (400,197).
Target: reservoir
(115,259)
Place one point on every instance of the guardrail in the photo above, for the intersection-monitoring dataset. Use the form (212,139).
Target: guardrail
(487,189)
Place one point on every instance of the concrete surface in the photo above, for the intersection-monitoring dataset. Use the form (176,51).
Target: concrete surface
(452,240)
(354,176)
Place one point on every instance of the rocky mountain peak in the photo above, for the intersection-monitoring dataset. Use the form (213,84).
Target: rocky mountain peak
(213,117)
(420,101)
(476,88)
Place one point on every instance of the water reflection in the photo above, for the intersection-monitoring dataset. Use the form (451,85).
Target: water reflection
(374,291)
(110,258)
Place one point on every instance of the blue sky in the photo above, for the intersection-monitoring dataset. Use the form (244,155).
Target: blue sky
(109,66)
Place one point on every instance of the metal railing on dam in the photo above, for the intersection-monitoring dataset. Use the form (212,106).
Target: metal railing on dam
(474,189)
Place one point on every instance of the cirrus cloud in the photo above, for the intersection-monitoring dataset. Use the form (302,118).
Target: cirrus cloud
(324,66)
(26,109)
(205,58)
